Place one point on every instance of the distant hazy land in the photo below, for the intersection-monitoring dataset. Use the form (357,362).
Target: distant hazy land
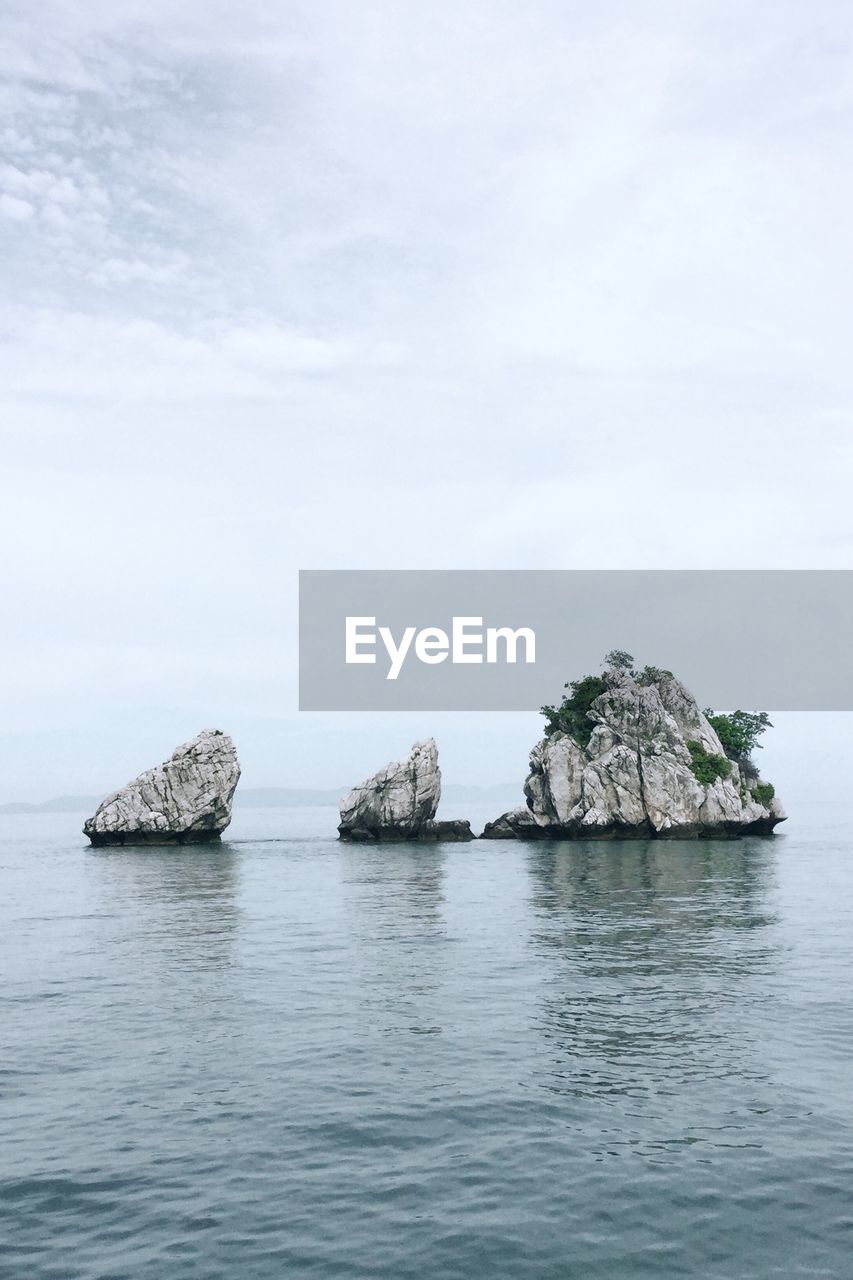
(277,798)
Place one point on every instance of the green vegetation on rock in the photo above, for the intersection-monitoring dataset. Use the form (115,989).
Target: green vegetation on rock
(619,659)
(706,766)
(764,793)
(571,716)
(739,732)
(650,675)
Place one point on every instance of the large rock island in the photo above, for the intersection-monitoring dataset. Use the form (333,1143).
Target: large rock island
(400,802)
(630,754)
(185,800)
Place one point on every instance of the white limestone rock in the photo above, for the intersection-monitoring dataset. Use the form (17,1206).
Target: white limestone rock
(554,786)
(400,801)
(187,799)
(634,776)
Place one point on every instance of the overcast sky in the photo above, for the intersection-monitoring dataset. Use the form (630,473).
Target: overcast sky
(390,285)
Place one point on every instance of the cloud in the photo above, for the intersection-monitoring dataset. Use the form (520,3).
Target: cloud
(121,271)
(14,208)
(74,354)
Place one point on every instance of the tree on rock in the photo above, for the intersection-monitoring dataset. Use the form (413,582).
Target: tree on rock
(739,732)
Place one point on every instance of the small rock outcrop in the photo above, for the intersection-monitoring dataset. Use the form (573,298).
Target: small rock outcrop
(517,824)
(399,802)
(185,800)
(636,775)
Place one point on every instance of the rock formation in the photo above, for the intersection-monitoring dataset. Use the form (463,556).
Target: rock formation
(399,802)
(637,773)
(517,824)
(185,800)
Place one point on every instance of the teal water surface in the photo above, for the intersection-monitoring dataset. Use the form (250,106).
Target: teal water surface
(288,1057)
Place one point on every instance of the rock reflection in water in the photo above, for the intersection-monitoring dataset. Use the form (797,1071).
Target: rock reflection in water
(185,898)
(395,898)
(659,955)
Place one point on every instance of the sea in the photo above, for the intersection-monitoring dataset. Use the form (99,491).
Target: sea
(284,1056)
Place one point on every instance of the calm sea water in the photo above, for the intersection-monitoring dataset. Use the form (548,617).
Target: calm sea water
(290,1057)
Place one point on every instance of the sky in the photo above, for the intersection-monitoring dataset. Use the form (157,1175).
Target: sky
(393,285)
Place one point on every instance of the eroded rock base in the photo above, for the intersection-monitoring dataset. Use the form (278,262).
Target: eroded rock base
(515,826)
(101,838)
(430,833)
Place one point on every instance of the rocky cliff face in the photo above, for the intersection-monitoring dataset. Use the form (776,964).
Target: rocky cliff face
(186,799)
(399,802)
(635,776)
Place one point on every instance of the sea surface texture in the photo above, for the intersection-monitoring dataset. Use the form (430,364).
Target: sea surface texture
(285,1056)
